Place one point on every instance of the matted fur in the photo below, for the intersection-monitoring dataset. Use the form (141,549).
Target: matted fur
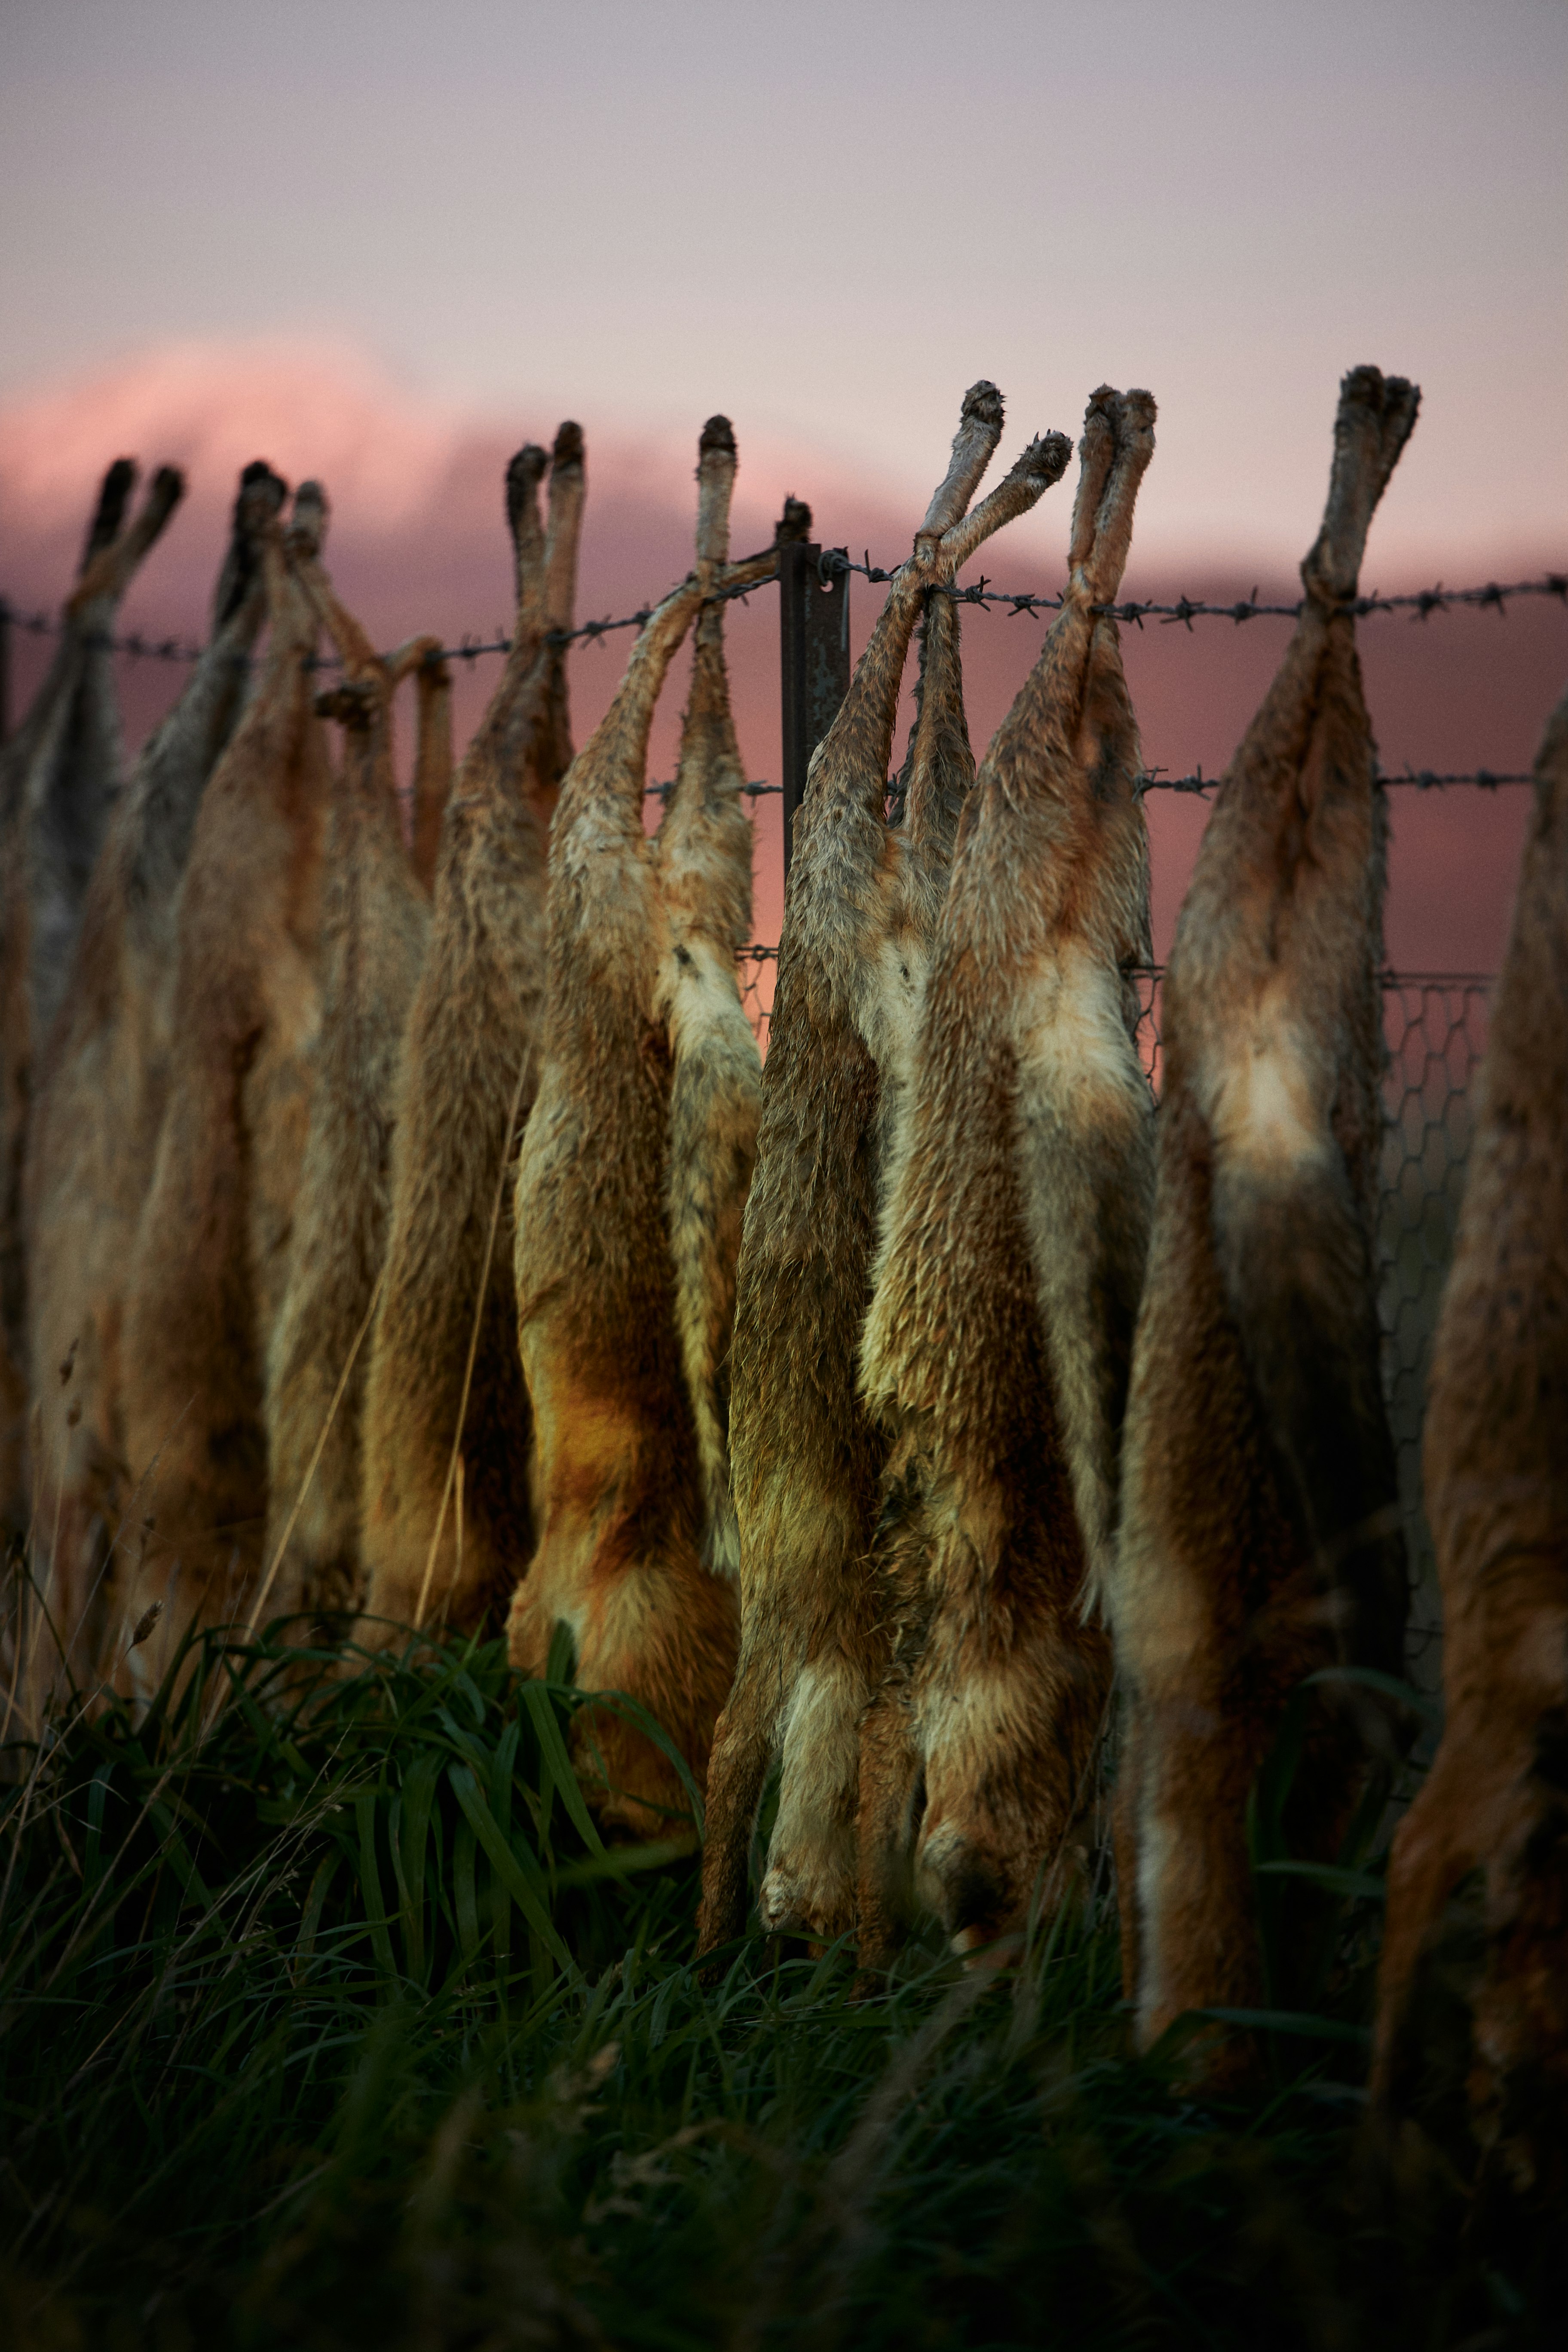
(1496,1461)
(58,776)
(630,1184)
(455,1535)
(1260,1533)
(859,911)
(210,1264)
(374,921)
(997,1350)
(95,1125)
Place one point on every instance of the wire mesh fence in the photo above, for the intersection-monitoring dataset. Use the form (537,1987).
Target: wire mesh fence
(1434,1027)
(1434,1032)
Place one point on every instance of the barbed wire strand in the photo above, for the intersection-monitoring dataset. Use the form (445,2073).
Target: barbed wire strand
(835,562)
(1421,604)
(1459,984)
(469,649)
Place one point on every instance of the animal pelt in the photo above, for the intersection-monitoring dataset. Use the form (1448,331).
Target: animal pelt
(1496,1462)
(1259,1535)
(432,766)
(997,1350)
(58,775)
(859,912)
(703,854)
(209,1267)
(95,1124)
(374,920)
(447,1524)
(630,1184)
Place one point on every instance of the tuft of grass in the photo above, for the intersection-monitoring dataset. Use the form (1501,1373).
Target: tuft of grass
(327,2020)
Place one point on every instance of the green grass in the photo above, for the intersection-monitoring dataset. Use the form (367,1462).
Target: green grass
(326,2021)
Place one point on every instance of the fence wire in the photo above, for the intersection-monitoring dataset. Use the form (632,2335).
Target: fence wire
(1433,1032)
(1421,604)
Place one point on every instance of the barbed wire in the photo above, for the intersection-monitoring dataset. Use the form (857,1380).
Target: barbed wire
(835,562)
(1388,978)
(1421,604)
(1423,780)
(753,791)
(469,647)
(1151,780)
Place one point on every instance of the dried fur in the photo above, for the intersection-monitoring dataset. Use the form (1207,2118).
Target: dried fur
(58,776)
(996,1349)
(95,1126)
(374,921)
(859,913)
(1496,1460)
(447,1524)
(209,1268)
(630,1185)
(1259,1534)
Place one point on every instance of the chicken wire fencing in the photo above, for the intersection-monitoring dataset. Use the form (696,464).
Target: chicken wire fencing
(1433,1032)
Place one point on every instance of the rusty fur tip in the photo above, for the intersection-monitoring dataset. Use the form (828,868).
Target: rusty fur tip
(144,1624)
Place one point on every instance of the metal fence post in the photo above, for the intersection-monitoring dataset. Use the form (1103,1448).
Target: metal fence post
(814,664)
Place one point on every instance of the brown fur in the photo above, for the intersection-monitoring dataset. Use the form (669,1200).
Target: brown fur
(859,913)
(58,776)
(95,1128)
(1496,1452)
(1260,1533)
(630,1185)
(210,1264)
(432,767)
(447,1526)
(374,918)
(996,1349)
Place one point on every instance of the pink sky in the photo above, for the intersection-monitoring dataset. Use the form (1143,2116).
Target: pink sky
(384,244)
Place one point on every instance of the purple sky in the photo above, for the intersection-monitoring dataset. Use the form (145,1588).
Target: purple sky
(386,243)
(825,219)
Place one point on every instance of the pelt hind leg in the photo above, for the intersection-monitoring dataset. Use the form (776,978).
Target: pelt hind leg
(890,1783)
(1433,1849)
(660,1629)
(1377,415)
(1132,424)
(1008,1744)
(1200,1753)
(1097,454)
(745,1739)
(1124,1816)
(1294,1260)
(809,1887)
